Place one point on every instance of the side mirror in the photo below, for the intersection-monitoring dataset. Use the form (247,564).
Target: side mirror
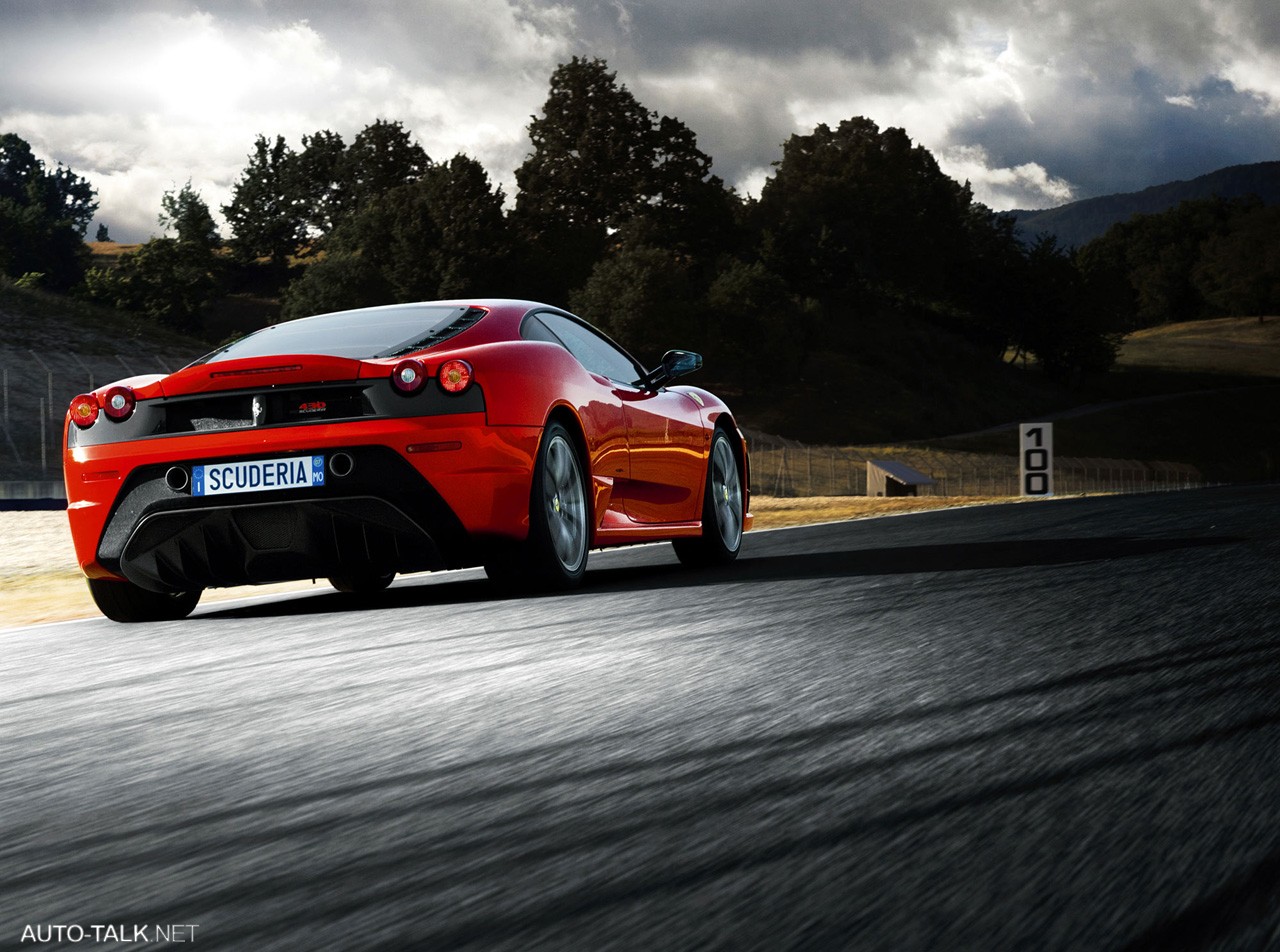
(675,363)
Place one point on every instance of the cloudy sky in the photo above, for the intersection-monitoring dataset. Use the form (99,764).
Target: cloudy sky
(1035,102)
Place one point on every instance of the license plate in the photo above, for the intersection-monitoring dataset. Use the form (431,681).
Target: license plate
(259,475)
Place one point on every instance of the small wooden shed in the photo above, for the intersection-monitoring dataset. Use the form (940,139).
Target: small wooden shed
(889,478)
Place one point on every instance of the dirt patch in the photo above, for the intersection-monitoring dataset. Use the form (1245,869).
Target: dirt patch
(40,581)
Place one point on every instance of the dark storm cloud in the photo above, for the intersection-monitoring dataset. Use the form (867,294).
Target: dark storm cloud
(872,32)
(1100,96)
(1034,101)
(1132,136)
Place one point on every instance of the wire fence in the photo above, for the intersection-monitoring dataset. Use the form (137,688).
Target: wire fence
(781,467)
(35,390)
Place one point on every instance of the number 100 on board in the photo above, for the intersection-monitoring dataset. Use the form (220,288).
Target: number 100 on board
(1035,453)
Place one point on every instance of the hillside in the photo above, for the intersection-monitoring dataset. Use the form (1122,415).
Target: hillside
(53,347)
(1205,393)
(908,382)
(909,379)
(1078,223)
(1227,345)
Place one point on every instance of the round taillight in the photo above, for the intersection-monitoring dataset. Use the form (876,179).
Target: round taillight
(409,376)
(84,410)
(118,403)
(455,376)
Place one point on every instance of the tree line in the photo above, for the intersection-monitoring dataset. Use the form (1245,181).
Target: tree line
(618,216)
(1205,258)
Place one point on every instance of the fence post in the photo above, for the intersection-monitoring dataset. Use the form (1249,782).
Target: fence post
(48,380)
(8,438)
(86,367)
(44,446)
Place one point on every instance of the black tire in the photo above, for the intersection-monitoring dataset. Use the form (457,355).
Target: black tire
(559,527)
(361,584)
(722,506)
(126,602)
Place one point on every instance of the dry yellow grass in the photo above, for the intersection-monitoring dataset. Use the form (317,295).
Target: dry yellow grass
(773,512)
(110,249)
(1227,345)
(39,580)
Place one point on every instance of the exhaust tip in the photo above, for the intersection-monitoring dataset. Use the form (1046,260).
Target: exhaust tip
(176,478)
(341,464)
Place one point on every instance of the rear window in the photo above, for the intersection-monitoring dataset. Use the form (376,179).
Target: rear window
(362,334)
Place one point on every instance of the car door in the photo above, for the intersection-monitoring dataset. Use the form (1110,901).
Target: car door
(601,409)
(668,443)
(666,437)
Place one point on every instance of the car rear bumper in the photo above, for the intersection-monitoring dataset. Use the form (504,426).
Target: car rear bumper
(421,497)
(273,542)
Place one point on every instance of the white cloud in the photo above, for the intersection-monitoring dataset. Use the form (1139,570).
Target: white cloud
(140,103)
(722,91)
(1025,186)
(1019,96)
(1257,75)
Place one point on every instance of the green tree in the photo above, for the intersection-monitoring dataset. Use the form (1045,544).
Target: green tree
(1063,324)
(442,235)
(584,177)
(859,212)
(756,328)
(606,171)
(187,214)
(288,203)
(320,176)
(646,299)
(592,152)
(163,280)
(382,157)
(170,280)
(473,252)
(1238,271)
(266,215)
(43,216)
(686,208)
(1157,255)
(339,281)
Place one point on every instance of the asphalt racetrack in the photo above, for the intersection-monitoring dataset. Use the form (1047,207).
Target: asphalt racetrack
(1044,726)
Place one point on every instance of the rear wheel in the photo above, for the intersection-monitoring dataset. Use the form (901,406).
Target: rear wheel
(126,602)
(559,529)
(722,507)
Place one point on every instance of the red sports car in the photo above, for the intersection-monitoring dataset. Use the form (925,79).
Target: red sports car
(357,445)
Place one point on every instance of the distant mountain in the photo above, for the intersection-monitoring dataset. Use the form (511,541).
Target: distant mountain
(1080,222)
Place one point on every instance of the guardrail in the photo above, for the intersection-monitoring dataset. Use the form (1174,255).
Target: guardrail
(32,494)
